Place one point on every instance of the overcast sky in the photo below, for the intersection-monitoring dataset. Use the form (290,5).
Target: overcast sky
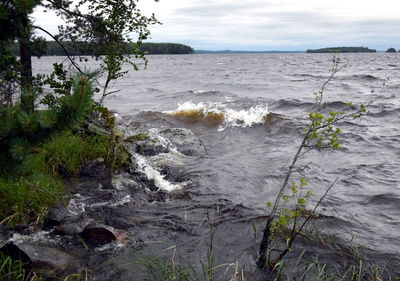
(271,24)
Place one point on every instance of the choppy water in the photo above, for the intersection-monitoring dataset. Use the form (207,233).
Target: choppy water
(249,109)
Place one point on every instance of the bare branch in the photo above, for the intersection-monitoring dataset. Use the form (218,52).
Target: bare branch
(112,92)
(61,45)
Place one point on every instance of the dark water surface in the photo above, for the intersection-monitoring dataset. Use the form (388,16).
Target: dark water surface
(224,99)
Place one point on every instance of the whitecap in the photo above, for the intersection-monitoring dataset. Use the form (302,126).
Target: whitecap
(217,111)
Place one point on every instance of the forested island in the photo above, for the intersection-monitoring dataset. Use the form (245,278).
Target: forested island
(342,50)
(391,50)
(52,48)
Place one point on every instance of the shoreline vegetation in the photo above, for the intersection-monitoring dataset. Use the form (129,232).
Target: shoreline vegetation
(342,50)
(52,48)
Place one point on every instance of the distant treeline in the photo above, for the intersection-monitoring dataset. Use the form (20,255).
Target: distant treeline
(52,48)
(243,52)
(166,48)
(342,50)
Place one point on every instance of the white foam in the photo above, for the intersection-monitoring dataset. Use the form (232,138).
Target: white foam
(122,201)
(153,174)
(76,205)
(154,134)
(109,246)
(40,236)
(244,118)
(201,106)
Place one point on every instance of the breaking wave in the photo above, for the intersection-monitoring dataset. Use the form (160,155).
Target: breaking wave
(221,115)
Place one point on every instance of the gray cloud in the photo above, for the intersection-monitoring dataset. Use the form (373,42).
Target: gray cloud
(208,8)
(274,24)
(260,26)
(278,24)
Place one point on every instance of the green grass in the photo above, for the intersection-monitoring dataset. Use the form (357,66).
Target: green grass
(33,185)
(161,270)
(26,198)
(67,150)
(314,269)
(13,270)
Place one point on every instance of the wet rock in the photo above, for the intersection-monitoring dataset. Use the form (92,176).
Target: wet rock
(68,229)
(119,222)
(94,169)
(3,238)
(174,173)
(150,142)
(56,216)
(96,129)
(51,261)
(139,177)
(185,141)
(97,169)
(159,196)
(142,219)
(150,148)
(124,181)
(121,236)
(99,234)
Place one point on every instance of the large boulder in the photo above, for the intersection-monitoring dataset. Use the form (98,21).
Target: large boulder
(51,261)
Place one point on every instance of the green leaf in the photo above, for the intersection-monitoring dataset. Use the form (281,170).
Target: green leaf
(301,201)
(303,181)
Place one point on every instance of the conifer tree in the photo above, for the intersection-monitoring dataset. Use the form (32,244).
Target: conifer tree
(26,127)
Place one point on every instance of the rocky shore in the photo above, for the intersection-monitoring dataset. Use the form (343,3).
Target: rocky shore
(105,210)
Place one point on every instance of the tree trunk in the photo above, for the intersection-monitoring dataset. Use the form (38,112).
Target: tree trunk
(26,63)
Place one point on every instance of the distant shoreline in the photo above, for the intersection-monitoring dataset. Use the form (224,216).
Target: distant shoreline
(319,51)
(244,52)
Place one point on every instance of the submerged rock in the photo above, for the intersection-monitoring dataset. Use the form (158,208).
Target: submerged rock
(50,261)
(185,141)
(150,142)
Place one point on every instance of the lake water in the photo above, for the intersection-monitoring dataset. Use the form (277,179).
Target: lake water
(224,99)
